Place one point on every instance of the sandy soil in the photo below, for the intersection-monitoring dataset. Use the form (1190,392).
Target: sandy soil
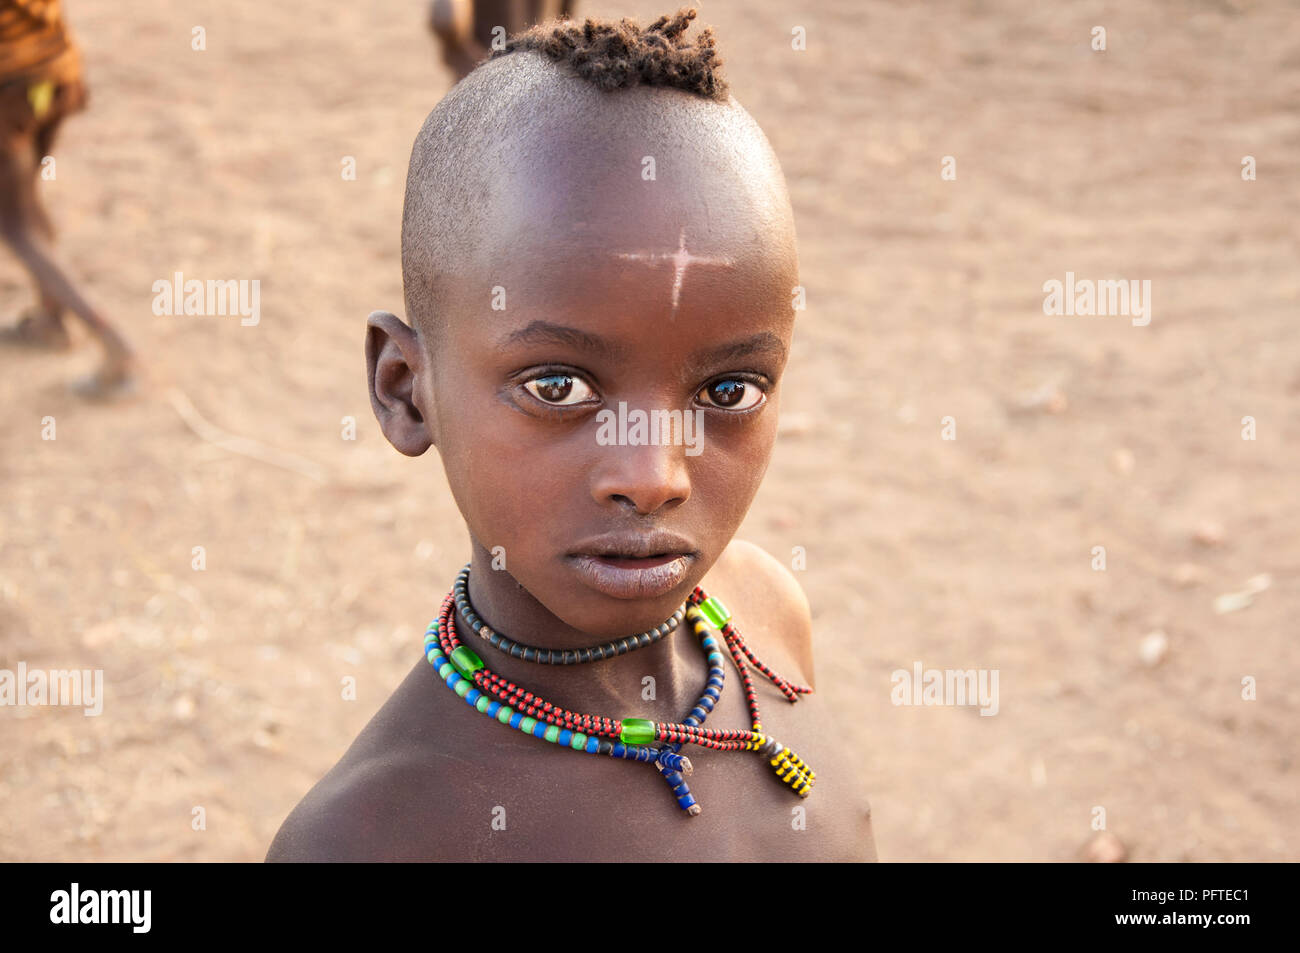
(925,301)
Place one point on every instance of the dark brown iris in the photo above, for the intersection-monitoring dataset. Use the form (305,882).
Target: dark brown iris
(554,388)
(726,393)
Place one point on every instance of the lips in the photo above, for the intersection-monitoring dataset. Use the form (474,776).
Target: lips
(634,566)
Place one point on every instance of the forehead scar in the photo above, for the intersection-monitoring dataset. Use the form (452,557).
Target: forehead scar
(680,259)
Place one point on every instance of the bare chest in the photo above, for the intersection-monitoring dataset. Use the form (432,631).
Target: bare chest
(496,794)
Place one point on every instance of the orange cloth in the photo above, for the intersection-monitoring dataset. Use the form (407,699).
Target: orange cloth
(40,71)
(35,44)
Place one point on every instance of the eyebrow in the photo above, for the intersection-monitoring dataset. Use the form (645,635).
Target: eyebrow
(544,332)
(764,343)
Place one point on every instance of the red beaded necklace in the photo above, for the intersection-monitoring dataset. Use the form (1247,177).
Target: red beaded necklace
(640,739)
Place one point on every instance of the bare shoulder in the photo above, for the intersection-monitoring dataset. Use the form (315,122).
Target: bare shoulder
(772,612)
(377,803)
(337,820)
(767,601)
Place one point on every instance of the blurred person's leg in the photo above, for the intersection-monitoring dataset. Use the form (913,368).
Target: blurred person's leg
(25,139)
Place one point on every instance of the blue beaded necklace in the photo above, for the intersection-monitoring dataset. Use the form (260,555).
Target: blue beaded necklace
(634,739)
(672,766)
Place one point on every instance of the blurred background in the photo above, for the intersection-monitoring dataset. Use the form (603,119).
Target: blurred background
(325,556)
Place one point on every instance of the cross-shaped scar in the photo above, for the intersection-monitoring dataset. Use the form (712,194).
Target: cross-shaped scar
(680,259)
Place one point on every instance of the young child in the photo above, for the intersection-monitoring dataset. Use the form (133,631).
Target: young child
(593,226)
(40,84)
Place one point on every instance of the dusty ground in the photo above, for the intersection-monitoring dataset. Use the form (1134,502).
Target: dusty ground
(924,302)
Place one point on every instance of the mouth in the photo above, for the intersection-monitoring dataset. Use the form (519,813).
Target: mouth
(630,566)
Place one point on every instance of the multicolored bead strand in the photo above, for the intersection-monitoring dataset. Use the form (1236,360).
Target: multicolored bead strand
(720,618)
(789,767)
(462,685)
(636,738)
(712,693)
(457,665)
(531,653)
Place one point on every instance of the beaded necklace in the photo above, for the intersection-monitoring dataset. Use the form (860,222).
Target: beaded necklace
(635,739)
(530,653)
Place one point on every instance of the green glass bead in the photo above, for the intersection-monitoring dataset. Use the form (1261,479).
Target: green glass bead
(637,731)
(505,714)
(527,725)
(552,733)
(578,741)
(463,687)
(444,670)
(713,610)
(466,662)
(482,703)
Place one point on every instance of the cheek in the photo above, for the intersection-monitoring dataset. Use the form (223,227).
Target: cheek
(507,481)
(492,488)
(729,472)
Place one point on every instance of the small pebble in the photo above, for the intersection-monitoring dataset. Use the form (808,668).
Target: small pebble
(183,707)
(1209,533)
(1047,398)
(1232,601)
(1153,647)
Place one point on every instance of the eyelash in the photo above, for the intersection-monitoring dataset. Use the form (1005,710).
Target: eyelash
(752,378)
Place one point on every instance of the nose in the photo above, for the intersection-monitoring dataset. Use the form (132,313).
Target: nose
(646,479)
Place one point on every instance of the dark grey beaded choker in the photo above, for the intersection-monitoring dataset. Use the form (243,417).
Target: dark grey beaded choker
(530,653)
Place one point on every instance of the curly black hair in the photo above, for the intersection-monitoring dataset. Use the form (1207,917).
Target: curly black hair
(617,55)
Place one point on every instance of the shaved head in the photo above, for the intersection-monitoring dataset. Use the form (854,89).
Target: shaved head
(525,146)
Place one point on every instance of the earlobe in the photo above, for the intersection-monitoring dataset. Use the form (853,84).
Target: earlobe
(394,362)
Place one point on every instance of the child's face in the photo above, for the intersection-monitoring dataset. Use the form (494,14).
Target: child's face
(615,295)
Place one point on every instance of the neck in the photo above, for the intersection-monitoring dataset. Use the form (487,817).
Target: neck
(613,686)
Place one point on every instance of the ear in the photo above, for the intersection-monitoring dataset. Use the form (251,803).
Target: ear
(394,364)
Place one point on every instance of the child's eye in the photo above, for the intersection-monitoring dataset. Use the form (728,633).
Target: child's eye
(559,389)
(731,394)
